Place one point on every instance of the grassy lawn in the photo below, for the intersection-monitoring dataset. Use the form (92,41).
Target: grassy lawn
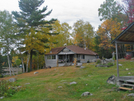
(44,85)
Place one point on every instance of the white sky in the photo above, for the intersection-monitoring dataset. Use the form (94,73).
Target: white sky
(68,11)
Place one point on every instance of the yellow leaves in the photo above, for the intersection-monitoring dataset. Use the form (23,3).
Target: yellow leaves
(110,27)
(33,41)
(108,31)
(63,36)
(14,58)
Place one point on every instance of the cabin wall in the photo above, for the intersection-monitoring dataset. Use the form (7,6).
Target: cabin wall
(88,58)
(51,62)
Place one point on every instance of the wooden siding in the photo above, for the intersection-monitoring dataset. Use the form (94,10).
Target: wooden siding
(88,58)
(51,62)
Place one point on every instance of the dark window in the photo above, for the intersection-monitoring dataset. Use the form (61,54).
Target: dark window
(78,56)
(83,56)
(60,57)
(49,57)
(53,57)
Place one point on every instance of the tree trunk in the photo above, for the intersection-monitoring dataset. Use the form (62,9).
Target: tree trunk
(31,54)
(23,65)
(44,62)
(18,69)
(12,68)
(28,56)
(9,64)
(38,61)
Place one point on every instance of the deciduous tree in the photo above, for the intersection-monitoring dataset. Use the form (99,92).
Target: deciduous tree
(107,32)
(110,9)
(83,34)
(7,32)
(63,37)
(128,8)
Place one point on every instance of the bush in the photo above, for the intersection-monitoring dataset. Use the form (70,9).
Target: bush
(88,61)
(1,76)
(98,61)
(128,57)
(109,64)
(7,88)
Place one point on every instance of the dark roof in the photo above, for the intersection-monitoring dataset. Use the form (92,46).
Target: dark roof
(79,50)
(55,50)
(127,35)
(73,48)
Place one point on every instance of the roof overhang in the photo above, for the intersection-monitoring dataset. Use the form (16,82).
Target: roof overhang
(126,36)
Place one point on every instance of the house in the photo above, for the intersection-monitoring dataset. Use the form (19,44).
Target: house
(62,56)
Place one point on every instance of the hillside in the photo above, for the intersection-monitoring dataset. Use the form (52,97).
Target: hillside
(54,84)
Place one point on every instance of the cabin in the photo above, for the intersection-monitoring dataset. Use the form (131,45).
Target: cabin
(64,56)
(126,37)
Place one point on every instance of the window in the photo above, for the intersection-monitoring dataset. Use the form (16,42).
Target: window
(49,57)
(53,57)
(78,56)
(83,56)
(60,57)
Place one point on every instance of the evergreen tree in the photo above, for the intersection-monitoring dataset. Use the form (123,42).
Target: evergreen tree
(31,16)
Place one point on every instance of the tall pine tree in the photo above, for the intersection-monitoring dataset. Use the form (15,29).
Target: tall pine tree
(31,16)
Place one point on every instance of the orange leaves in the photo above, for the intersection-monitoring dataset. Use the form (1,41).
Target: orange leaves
(3,63)
(108,31)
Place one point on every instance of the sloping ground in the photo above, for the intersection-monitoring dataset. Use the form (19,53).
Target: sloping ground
(31,74)
(44,85)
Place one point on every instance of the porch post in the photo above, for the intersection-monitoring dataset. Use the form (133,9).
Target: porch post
(75,60)
(57,57)
(117,60)
(66,58)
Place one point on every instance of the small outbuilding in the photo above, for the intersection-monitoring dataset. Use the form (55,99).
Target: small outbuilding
(66,55)
(125,37)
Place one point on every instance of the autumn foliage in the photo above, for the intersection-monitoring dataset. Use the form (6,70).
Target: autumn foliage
(108,31)
(128,57)
(83,34)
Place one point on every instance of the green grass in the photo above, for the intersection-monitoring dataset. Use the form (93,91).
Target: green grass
(44,86)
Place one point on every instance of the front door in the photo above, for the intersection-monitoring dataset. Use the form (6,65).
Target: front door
(71,58)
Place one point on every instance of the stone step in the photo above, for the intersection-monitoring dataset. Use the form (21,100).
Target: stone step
(130,85)
(124,88)
(129,81)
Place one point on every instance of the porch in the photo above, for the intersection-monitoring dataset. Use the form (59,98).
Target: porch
(126,37)
(126,82)
(67,59)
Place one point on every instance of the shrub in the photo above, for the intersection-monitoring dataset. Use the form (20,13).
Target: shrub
(1,76)
(113,58)
(109,64)
(98,61)
(7,88)
(88,61)
(128,57)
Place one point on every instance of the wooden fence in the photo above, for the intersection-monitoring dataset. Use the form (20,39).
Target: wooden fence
(14,70)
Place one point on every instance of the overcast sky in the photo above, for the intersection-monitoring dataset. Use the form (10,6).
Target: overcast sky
(68,11)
